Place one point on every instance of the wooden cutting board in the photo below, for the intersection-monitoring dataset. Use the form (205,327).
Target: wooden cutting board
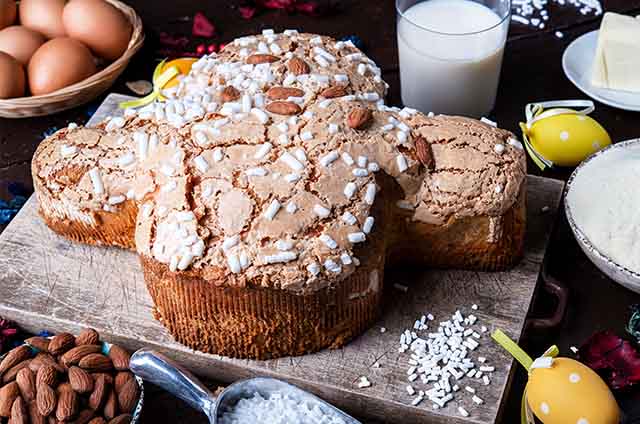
(47,282)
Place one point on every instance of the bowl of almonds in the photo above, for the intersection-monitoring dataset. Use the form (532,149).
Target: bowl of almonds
(68,379)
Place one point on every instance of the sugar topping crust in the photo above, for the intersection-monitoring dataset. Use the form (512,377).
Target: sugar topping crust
(263,166)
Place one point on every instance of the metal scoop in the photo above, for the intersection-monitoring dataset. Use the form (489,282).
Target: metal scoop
(163,372)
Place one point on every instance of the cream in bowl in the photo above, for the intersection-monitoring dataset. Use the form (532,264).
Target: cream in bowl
(602,206)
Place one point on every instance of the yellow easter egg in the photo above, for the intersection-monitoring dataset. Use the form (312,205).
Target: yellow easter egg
(184,66)
(568,139)
(570,393)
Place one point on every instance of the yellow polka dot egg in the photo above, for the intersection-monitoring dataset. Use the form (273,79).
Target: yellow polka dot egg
(567,139)
(569,392)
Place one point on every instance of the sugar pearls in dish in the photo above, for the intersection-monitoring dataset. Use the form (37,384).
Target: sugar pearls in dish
(277,409)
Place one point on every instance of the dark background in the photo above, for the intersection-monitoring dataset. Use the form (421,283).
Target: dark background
(532,71)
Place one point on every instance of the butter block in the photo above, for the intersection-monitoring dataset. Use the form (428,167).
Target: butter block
(617,62)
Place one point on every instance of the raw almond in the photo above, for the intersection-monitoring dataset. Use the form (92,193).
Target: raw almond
(85,416)
(230,93)
(14,357)
(98,420)
(96,362)
(34,415)
(40,343)
(19,414)
(284,108)
(119,357)
(88,336)
(44,359)
(46,375)
(80,380)
(8,394)
(73,356)
(333,92)
(283,93)
(61,343)
(121,379)
(67,404)
(128,396)
(121,419)
(423,150)
(298,66)
(12,372)
(99,394)
(358,118)
(111,405)
(108,378)
(26,380)
(256,59)
(46,400)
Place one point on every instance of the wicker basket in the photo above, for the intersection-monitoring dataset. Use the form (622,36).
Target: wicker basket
(83,91)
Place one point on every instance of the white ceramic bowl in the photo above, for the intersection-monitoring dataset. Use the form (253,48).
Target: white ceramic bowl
(616,272)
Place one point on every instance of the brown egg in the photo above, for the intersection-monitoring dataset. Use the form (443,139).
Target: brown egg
(12,78)
(20,42)
(43,16)
(99,25)
(59,63)
(8,12)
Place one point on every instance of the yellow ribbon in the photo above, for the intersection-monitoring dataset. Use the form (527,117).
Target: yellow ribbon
(159,81)
(526,417)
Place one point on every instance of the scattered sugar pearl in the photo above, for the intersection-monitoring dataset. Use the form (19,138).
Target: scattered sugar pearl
(321,211)
(498,189)
(498,148)
(291,207)
(559,34)
(383,329)
(364,382)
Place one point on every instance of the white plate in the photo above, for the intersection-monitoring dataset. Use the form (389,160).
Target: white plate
(577,61)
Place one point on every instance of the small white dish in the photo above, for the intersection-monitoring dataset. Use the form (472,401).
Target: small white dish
(577,61)
(624,276)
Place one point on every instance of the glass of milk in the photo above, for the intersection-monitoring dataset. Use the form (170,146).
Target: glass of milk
(451,54)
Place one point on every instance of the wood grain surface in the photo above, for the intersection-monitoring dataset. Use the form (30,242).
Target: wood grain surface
(49,282)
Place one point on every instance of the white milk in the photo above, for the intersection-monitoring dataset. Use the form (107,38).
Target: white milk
(447,65)
(605,201)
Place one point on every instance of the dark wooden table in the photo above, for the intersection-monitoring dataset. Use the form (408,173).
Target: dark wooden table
(532,71)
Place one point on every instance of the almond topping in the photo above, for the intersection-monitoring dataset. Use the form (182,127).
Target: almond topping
(359,118)
(284,108)
(230,93)
(283,93)
(333,92)
(256,59)
(298,66)
(425,155)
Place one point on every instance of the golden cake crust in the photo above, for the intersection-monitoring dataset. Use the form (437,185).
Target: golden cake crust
(272,186)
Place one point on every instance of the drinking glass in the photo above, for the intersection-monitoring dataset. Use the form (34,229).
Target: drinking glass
(451,54)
